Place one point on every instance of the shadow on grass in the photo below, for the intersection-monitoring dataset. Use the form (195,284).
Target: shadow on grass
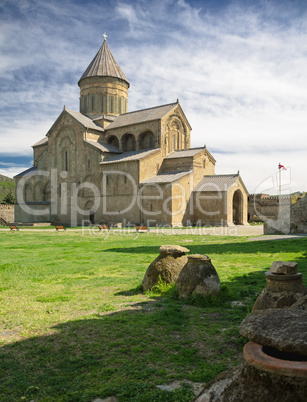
(127,353)
(264,246)
(123,353)
(131,292)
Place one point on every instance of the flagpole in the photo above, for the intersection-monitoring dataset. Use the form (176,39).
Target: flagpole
(279,169)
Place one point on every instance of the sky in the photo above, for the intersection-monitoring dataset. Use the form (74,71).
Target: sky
(238,69)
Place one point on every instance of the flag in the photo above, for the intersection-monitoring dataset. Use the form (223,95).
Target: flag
(281,167)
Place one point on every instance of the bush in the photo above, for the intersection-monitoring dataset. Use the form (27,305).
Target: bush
(9,199)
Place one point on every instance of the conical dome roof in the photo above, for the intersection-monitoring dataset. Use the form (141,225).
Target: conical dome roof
(104,65)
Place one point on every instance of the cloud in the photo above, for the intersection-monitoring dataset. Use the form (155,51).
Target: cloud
(21,135)
(10,164)
(237,69)
(261,172)
(13,171)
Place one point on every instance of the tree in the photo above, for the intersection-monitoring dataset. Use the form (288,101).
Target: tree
(9,199)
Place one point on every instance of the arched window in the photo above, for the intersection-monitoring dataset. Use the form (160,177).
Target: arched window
(47,192)
(128,142)
(38,194)
(147,140)
(174,136)
(66,161)
(112,140)
(28,192)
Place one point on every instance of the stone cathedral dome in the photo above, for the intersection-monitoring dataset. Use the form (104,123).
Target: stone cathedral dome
(103,86)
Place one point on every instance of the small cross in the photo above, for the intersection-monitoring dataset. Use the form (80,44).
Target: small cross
(105,36)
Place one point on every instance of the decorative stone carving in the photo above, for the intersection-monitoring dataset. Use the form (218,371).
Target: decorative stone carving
(198,277)
(166,266)
(65,121)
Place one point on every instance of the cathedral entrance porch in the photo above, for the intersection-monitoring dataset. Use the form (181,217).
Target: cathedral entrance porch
(237,208)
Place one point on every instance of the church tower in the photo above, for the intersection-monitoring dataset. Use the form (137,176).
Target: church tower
(103,86)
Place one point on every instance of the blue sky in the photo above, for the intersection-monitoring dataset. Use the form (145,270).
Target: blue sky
(237,67)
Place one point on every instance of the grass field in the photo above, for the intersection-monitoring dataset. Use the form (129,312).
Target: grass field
(75,325)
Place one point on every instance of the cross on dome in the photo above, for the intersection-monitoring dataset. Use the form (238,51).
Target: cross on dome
(105,36)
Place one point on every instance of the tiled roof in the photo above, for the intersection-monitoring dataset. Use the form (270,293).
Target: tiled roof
(216,182)
(184,153)
(32,171)
(105,117)
(104,147)
(140,116)
(104,65)
(43,141)
(84,120)
(130,156)
(167,177)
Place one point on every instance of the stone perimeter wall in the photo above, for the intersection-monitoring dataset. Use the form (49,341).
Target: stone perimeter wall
(7,212)
(291,220)
(266,205)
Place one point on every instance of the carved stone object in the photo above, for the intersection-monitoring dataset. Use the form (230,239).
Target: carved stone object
(198,277)
(284,287)
(166,266)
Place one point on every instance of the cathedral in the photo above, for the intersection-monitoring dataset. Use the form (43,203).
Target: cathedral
(105,165)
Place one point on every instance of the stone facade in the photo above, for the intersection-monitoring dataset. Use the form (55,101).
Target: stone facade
(221,200)
(104,165)
(6,214)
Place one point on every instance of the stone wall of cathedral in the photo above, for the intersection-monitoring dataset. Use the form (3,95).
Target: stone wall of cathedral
(131,138)
(103,96)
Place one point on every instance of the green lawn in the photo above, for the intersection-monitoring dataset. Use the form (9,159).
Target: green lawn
(74,324)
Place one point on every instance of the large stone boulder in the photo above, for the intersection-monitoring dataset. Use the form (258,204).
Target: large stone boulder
(198,277)
(166,266)
(282,329)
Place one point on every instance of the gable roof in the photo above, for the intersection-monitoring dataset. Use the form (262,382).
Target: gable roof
(130,156)
(103,146)
(32,171)
(184,153)
(104,65)
(139,116)
(84,120)
(168,177)
(43,141)
(81,118)
(216,182)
